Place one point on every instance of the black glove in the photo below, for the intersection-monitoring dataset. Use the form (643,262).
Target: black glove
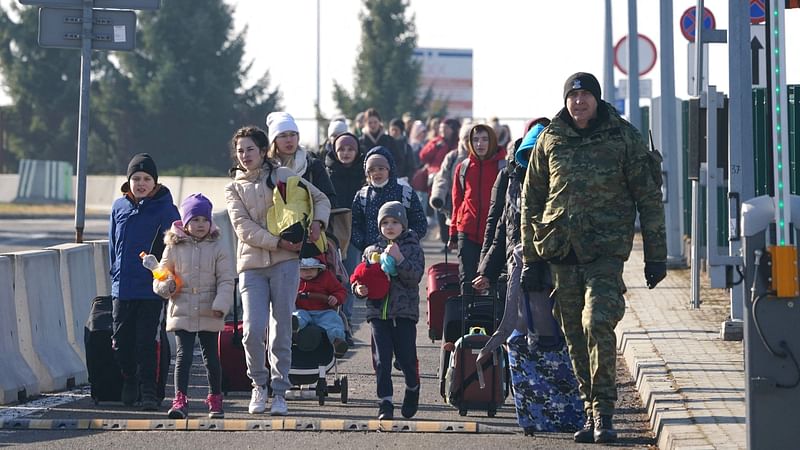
(532,278)
(654,272)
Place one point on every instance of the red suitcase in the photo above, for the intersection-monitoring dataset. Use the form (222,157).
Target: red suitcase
(231,353)
(442,284)
(469,388)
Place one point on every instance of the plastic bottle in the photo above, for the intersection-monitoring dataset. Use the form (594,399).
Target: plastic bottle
(160,272)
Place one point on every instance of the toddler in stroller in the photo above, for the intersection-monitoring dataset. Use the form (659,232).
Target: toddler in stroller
(318,329)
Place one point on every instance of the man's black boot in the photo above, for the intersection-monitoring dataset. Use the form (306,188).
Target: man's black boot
(586,434)
(604,430)
(130,390)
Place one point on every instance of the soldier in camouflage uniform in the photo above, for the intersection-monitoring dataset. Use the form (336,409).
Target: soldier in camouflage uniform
(588,175)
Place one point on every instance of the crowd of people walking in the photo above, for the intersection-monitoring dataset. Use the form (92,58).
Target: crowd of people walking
(553,211)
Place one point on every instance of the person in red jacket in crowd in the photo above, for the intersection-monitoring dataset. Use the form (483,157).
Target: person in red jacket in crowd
(432,155)
(472,191)
(318,296)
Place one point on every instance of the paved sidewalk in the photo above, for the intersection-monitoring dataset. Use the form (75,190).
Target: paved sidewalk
(690,380)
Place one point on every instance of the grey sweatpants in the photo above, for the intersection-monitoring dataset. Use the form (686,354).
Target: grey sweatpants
(269,292)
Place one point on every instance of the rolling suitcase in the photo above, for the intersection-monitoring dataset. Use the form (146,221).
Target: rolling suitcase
(464,385)
(442,284)
(465,311)
(546,393)
(231,353)
(105,376)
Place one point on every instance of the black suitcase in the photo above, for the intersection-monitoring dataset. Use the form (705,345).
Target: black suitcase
(105,376)
(483,311)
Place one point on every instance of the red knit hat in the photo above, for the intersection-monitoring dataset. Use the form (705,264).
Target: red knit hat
(371,276)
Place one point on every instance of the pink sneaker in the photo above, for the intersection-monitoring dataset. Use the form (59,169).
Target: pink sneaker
(214,402)
(180,406)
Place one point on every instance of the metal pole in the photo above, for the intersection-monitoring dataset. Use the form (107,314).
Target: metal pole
(317,106)
(741,183)
(609,89)
(695,249)
(83,117)
(669,140)
(698,47)
(633,67)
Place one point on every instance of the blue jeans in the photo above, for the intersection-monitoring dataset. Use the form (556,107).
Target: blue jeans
(327,319)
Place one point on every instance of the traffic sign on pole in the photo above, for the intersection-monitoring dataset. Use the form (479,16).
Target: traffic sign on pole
(688,22)
(111,29)
(758,55)
(105,4)
(758,12)
(647,54)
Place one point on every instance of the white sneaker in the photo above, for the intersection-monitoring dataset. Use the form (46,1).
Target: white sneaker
(258,401)
(278,406)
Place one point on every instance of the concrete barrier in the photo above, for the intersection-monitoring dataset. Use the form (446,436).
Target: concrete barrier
(8,187)
(102,266)
(17,380)
(213,188)
(78,287)
(42,323)
(102,190)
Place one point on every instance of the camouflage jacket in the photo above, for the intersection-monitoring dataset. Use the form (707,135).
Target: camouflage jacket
(583,190)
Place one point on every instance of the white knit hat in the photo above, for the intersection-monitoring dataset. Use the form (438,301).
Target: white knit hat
(337,127)
(278,122)
(311,263)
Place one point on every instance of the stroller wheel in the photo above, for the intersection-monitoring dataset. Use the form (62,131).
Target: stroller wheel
(343,386)
(322,391)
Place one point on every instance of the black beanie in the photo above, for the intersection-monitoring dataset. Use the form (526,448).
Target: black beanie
(582,80)
(143,162)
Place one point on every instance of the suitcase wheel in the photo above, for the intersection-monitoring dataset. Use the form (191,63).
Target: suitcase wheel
(462,411)
(528,431)
(491,412)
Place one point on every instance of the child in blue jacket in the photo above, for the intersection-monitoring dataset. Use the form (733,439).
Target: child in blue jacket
(382,187)
(138,222)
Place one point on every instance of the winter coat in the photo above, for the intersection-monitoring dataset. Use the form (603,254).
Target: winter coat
(471,201)
(346,180)
(206,270)
(325,283)
(367,141)
(136,227)
(313,170)
(442,189)
(248,198)
(584,188)
(503,221)
(433,154)
(403,158)
(402,302)
(369,200)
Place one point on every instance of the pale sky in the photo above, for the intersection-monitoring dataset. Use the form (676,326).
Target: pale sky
(523,50)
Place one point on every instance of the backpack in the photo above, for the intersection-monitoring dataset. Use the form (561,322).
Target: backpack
(462,173)
(405,200)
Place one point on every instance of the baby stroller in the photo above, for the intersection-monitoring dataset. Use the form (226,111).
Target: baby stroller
(312,359)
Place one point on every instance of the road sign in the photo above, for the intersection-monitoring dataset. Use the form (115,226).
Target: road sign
(758,55)
(111,30)
(647,55)
(110,4)
(645,88)
(758,12)
(688,22)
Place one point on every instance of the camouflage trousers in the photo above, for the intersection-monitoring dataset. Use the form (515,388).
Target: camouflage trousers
(588,305)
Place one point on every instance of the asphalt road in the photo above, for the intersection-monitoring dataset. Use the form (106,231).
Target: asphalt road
(361,407)
(19,233)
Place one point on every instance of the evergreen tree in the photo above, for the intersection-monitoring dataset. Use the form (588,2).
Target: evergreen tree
(386,74)
(179,95)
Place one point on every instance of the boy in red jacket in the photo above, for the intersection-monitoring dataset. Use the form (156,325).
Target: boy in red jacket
(318,296)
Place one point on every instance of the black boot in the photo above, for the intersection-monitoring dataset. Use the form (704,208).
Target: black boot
(586,434)
(149,398)
(130,390)
(604,430)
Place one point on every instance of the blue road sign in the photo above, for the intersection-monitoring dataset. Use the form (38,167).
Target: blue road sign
(758,12)
(688,22)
